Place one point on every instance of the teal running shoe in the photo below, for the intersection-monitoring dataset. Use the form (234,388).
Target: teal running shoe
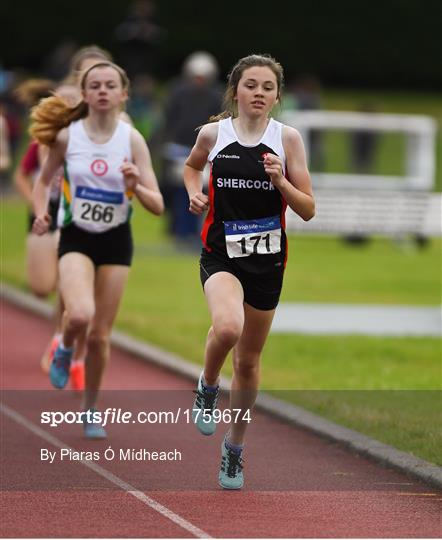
(203,408)
(59,370)
(230,475)
(93,430)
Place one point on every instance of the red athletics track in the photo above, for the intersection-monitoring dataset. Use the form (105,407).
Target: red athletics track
(300,486)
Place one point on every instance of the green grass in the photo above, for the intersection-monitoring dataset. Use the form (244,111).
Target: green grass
(408,420)
(164,304)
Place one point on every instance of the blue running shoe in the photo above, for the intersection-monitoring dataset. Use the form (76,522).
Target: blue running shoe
(59,370)
(93,430)
(205,404)
(230,475)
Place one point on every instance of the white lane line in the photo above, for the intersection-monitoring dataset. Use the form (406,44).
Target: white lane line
(181,522)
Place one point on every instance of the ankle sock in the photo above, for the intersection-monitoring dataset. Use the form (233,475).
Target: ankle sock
(77,361)
(235,448)
(64,348)
(207,387)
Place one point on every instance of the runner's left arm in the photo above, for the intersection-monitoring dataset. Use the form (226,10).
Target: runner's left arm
(139,175)
(296,185)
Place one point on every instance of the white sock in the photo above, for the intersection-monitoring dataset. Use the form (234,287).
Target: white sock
(63,346)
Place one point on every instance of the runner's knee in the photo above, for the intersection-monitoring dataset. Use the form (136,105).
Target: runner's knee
(227,332)
(97,340)
(41,286)
(41,292)
(247,365)
(79,319)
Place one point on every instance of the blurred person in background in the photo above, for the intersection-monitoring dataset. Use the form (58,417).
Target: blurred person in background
(258,168)
(304,94)
(195,97)
(56,64)
(5,149)
(95,248)
(142,106)
(41,252)
(12,112)
(138,38)
(363,145)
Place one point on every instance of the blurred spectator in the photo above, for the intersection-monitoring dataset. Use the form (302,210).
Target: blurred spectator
(12,113)
(363,145)
(56,65)
(308,96)
(304,94)
(5,151)
(142,106)
(139,38)
(193,98)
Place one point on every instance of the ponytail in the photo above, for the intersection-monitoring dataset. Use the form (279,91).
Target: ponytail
(220,116)
(229,107)
(51,115)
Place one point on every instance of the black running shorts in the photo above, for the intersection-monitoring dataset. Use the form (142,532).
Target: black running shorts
(110,247)
(261,291)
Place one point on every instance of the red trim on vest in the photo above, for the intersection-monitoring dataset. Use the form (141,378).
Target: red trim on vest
(210,215)
(284,208)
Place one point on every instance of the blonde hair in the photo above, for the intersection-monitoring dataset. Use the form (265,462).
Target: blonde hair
(30,92)
(54,113)
(253,60)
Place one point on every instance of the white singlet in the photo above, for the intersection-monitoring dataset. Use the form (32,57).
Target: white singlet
(94,195)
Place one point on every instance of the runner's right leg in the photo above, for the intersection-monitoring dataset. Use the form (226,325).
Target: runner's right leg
(225,299)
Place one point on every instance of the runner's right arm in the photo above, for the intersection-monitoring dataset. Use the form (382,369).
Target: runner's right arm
(41,191)
(195,163)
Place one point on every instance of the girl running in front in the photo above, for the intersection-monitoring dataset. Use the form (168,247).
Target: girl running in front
(106,162)
(258,167)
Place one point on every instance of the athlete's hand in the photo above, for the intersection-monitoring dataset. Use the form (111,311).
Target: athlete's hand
(131,175)
(199,203)
(41,224)
(273,167)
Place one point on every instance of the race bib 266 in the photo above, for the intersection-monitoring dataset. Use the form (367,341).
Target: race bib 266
(98,206)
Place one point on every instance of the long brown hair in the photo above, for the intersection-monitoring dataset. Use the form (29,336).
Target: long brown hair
(31,91)
(253,60)
(54,113)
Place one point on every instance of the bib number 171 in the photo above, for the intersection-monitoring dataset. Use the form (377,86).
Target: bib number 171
(253,242)
(253,237)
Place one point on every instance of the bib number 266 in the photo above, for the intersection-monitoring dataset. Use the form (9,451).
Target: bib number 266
(98,208)
(96,212)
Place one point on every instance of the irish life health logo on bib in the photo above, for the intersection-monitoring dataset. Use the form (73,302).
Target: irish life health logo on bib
(254,236)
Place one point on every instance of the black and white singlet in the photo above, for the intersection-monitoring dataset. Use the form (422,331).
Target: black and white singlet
(246,218)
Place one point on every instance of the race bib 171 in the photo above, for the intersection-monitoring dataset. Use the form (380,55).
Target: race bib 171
(254,236)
